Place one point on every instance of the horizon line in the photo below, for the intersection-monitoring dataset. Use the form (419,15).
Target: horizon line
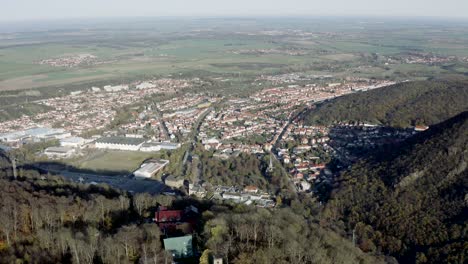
(233,16)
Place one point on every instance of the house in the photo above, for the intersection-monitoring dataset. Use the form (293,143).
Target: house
(232,196)
(168,220)
(197,190)
(267,147)
(302,167)
(163,215)
(176,221)
(255,197)
(179,247)
(211,143)
(318,166)
(421,128)
(305,186)
(250,189)
(302,148)
(298,176)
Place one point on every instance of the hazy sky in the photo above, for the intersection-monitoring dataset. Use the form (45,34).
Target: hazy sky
(54,9)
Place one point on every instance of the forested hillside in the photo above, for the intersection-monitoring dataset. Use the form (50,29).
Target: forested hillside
(410,201)
(53,221)
(249,235)
(401,105)
(45,219)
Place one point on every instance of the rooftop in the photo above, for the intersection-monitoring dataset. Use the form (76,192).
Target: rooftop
(179,246)
(121,140)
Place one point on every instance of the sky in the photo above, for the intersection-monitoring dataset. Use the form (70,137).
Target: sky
(19,10)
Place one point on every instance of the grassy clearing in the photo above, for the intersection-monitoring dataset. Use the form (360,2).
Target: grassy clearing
(111,161)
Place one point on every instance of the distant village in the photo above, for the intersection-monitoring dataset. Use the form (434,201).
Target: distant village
(70,61)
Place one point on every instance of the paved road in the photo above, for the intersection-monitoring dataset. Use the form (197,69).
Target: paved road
(291,118)
(193,138)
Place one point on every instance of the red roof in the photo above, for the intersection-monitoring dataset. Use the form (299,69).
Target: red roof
(168,216)
(251,188)
(319,166)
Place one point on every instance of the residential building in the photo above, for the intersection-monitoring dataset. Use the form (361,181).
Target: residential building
(232,196)
(421,128)
(197,190)
(251,189)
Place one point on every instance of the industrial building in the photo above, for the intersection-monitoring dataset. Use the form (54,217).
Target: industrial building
(117,88)
(150,168)
(150,147)
(169,145)
(59,152)
(157,146)
(119,143)
(39,133)
(74,142)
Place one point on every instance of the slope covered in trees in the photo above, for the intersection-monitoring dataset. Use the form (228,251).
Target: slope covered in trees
(401,105)
(248,235)
(45,219)
(410,201)
(49,220)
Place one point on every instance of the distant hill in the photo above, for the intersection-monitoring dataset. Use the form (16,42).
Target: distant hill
(400,105)
(410,201)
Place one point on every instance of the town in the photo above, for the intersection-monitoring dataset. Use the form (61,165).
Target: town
(86,121)
(126,119)
(231,132)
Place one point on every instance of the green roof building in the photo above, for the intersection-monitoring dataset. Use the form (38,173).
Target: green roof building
(180,247)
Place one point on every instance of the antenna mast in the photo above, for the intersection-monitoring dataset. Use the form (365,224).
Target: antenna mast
(13,164)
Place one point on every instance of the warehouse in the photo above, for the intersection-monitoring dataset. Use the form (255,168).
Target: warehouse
(150,168)
(119,143)
(59,152)
(169,146)
(39,133)
(74,142)
(157,146)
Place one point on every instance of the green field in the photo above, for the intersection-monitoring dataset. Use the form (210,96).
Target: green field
(163,47)
(111,161)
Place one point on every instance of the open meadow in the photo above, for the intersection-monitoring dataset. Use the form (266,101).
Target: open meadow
(110,162)
(242,47)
